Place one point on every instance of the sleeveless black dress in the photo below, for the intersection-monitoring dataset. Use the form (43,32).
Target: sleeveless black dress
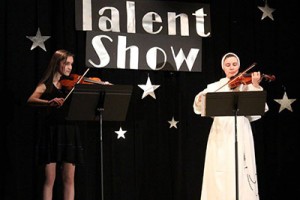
(58,139)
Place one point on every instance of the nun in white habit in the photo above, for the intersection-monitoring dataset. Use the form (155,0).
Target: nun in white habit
(219,182)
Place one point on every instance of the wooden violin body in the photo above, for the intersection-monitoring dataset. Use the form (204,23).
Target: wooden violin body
(246,79)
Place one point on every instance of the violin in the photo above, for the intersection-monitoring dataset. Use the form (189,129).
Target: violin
(246,79)
(74,79)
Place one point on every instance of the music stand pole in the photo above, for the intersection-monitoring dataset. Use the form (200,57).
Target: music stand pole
(100,110)
(236,156)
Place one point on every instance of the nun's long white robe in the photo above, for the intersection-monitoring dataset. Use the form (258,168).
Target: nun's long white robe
(219,170)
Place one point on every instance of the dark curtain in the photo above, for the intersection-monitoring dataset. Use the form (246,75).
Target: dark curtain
(153,162)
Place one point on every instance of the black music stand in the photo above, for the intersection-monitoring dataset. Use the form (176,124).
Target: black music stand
(235,104)
(94,102)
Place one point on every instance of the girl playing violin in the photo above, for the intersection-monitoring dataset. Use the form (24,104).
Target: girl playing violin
(59,142)
(219,168)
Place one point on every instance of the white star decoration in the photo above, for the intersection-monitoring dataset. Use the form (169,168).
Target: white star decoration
(267,11)
(38,40)
(285,103)
(149,89)
(173,123)
(121,133)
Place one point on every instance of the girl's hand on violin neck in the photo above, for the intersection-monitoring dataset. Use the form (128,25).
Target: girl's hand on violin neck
(256,78)
(56,102)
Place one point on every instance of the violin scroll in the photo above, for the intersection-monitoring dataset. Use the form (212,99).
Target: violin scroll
(269,77)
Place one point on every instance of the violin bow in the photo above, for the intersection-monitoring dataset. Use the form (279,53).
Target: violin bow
(79,80)
(231,81)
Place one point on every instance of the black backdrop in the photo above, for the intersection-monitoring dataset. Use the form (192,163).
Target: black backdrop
(154,161)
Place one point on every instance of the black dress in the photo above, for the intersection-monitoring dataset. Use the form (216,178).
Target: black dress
(59,139)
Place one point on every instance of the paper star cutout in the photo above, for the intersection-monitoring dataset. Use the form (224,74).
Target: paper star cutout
(149,89)
(38,40)
(120,133)
(285,103)
(267,11)
(173,123)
